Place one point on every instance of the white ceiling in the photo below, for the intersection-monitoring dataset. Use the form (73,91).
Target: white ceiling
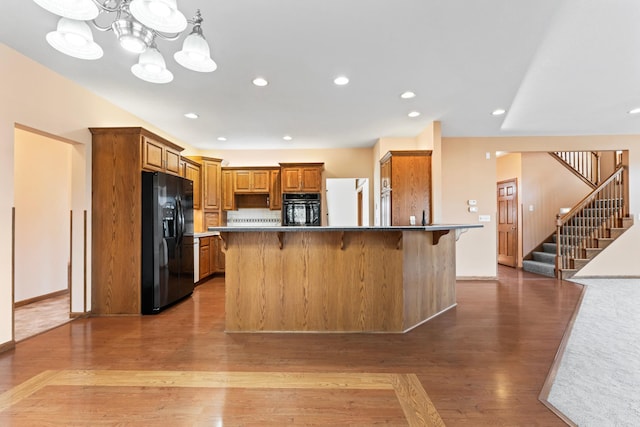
(559,68)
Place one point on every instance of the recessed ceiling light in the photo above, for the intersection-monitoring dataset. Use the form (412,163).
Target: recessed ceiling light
(634,111)
(259,81)
(407,95)
(341,80)
(287,138)
(498,112)
(222,138)
(191,116)
(414,114)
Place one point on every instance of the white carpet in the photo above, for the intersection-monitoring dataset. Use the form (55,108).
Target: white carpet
(598,380)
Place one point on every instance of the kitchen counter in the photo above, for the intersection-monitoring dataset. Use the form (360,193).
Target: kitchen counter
(338,279)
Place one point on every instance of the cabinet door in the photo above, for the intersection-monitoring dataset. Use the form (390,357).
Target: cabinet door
(192,172)
(228,199)
(311,181)
(211,219)
(211,178)
(152,154)
(171,161)
(214,244)
(290,179)
(220,257)
(275,192)
(260,181)
(242,181)
(205,257)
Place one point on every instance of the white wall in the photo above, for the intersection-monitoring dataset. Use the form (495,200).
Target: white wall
(43,201)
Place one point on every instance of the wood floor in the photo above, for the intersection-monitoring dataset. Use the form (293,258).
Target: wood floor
(37,317)
(482,363)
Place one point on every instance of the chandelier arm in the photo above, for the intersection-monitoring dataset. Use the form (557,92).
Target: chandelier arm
(169,37)
(103,5)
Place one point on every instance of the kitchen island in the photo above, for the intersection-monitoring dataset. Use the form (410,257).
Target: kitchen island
(337,279)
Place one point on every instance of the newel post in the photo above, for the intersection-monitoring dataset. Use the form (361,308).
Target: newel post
(558,260)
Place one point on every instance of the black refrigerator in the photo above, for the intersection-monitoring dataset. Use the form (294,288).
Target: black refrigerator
(167,245)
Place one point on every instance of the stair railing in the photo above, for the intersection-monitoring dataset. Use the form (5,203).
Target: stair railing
(585,164)
(589,220)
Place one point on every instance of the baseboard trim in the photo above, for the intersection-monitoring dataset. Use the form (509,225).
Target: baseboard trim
(608,276)
(551,376)
(476,277)
(9,345)
(79,315)
(40,298)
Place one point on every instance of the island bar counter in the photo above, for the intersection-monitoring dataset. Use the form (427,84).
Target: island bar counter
(335,279)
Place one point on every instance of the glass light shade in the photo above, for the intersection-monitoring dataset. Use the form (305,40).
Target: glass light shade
(81,10)
(74,38)
(195,54)
(151,67)
(132,35)
(161,15)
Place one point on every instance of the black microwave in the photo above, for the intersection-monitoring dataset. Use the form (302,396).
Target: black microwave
(301,209)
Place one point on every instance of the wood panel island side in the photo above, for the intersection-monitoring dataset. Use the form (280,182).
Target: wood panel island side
(337,279)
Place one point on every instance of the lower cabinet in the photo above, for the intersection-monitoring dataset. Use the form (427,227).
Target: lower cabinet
(211,256)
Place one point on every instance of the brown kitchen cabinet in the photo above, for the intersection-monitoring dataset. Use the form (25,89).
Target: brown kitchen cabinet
(405,187)
(191,170)
(159,155)
(228,196)
(301,177)
(205,257)
(211,256)
(251,187)
(275,191)
(118,157)
(210,201)
(251,181)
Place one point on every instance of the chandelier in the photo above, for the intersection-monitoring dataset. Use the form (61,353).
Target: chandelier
(136,24)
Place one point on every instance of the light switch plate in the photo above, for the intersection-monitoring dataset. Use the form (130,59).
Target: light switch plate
(473,209)
(484,218)
(472,202)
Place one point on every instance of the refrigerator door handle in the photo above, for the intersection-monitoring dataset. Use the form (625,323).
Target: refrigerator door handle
(180,221)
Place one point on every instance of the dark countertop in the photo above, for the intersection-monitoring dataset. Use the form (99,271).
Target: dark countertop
(280,229)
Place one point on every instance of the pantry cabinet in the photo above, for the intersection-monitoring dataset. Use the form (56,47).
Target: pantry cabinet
(405,187)
(118,156)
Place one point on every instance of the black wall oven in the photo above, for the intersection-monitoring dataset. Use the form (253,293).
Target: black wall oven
(300,209)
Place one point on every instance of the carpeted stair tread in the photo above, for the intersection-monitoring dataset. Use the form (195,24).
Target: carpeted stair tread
(547,257)
(542,268)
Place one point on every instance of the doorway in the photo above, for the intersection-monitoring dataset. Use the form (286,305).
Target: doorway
(42,253)
(507,194)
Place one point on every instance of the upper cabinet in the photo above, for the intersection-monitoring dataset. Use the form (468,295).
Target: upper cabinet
(210,173)
(160,155)
(251,187)
(301,177)
(191,170)
(251,181)
(405,187)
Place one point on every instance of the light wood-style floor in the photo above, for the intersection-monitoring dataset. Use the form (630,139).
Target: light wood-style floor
(37,317)
(482,363)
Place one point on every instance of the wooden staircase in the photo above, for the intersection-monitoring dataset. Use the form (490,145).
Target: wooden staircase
(585,231)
